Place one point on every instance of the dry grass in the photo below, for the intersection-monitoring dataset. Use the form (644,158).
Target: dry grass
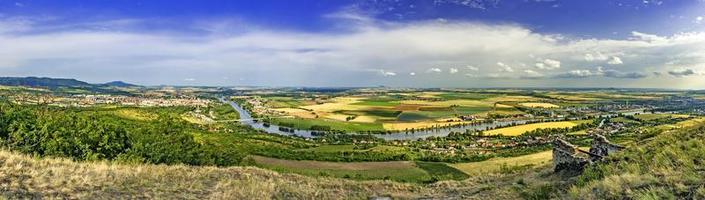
(25,177)
(393,165)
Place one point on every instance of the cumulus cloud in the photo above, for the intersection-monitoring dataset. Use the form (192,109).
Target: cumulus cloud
(412,73)
(504,67)
(386,73)
(578,73)
(548,64)
(682,72)
(531,74)
(287,57)
(434,70)
(647,37)
(599,71)
(615,61)
(595,57)
(453,70)
(619,74)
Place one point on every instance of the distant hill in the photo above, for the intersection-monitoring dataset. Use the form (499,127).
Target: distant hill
(119,84)
(42,82)
(57,82)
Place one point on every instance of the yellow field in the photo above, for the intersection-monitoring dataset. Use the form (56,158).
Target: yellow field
(683,124)
(297,112)
(539,105)
(576,97)
(499,105)
(518,130)
(339,103)
(364,119)
(494,165)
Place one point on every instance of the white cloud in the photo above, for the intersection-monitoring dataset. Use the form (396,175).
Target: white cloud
(595,57)
(285,57)
(609,73)
(548,64)
(189,79)
(412,73)
(578,73)
(386,73)
(504,67)
(647,37)
(434,70)
(531,74)
(453,70)
(615,61)
(698,19)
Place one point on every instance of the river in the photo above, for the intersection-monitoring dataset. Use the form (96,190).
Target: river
(246,119)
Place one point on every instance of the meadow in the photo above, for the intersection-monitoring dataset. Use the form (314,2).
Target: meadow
(401,171)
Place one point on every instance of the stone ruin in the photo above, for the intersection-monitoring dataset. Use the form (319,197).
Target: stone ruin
(568,157)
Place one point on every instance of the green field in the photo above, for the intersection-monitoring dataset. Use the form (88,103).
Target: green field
(402,171)
(306,124)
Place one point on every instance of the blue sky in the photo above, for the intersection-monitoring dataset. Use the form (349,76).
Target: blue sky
(439,43)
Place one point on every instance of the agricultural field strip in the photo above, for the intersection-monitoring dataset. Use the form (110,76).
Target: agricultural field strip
(520,129)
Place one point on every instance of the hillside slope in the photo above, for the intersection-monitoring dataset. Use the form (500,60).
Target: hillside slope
(42,82)
(27,177)
(668,166)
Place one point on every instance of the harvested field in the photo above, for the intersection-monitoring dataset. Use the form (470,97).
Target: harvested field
(539,105)
(520,129)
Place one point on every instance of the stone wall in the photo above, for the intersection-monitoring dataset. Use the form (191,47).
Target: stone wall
(567,157)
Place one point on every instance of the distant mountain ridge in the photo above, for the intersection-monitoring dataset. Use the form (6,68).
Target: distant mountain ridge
(56,82)
(119,84)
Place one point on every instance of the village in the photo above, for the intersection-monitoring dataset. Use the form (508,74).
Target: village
(87,100)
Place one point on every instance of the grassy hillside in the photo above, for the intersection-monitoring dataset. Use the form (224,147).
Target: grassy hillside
(27,177)
(670,165)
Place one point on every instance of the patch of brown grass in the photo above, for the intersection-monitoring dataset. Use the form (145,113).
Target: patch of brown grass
(24,177)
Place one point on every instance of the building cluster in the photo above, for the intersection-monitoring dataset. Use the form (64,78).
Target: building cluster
(90,100)
(258,106)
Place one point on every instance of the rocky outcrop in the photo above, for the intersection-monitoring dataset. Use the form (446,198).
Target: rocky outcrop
(602,147)
(568,157)
(565,157)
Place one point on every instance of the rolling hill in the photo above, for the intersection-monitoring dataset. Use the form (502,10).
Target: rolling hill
(57,82)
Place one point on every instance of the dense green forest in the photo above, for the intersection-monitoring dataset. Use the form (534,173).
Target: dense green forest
(91,134)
